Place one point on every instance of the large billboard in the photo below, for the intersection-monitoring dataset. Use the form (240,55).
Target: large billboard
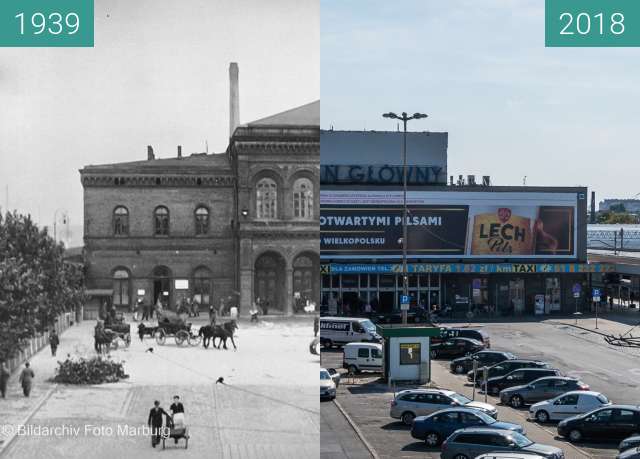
(440,224)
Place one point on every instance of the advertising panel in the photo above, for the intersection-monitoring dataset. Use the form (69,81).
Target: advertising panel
(362,224)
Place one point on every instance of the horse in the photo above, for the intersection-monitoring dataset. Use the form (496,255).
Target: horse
(103,339)
(206,332)
(224,332)
(143,330)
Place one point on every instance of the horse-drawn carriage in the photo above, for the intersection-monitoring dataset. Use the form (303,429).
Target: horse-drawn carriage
(171,324)
(112,333)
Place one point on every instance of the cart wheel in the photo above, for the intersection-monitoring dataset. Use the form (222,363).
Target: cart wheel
(161,337)
(181,337)
(127,339)
(194,340)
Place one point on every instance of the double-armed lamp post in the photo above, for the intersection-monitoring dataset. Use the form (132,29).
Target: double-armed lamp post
(405,277)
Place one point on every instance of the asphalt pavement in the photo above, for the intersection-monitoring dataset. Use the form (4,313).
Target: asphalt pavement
(576,352)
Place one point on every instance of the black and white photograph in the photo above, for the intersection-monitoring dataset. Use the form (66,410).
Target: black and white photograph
(159,269)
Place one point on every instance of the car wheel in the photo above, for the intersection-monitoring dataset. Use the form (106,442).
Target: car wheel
(407,418)
(432,439)
(433,354)
(352,369)
(459,369)
(575,435)
(516,401)
(460,456)
(542,416)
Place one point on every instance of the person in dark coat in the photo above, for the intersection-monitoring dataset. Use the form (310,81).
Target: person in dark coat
(316,325)
(4,377)
(26,379)
(54,341)
(156,421)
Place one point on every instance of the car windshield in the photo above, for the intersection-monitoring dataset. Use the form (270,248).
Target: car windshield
(520,440)
(510,356)
(368,325)
(461,399)
(488,420)
(324,374)
(602,399)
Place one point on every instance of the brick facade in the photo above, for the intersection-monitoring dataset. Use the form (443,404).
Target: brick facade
(243,255)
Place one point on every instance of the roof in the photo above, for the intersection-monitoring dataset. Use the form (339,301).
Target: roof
(304,115)
(196,160)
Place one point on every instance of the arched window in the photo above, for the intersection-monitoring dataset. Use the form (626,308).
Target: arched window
(202,220)
(303,199)
(267,199)
(121,287)
(120,221)
(161,217)
(202,286)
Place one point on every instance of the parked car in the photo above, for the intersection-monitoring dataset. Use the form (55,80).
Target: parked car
(608,423)
(628,443)
(414,315)
(410,403)
(485,358)
(335,376)
(567,405)
(632,453)
(518,377)
(327,386)
(472,333)
(357,357)
(504,367)
(455,347)
(470,443)
(435,428)
(337,331)
(540,389)
(500,455)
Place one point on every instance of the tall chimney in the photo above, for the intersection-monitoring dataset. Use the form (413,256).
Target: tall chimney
(593,207)
(234,98)
(179,151)
(150,154)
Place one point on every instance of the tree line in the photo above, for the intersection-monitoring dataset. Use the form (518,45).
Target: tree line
(36,284)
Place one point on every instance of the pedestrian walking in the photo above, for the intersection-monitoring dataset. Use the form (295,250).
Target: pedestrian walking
(146,312)
(157,417)
(54,341)
(4,377)
(212,315)
(316,325)
(26,379)
(196,308)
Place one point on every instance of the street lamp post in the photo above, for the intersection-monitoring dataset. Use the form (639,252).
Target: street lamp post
(405,278)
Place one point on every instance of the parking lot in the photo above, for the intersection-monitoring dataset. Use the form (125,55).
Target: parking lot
(573,351)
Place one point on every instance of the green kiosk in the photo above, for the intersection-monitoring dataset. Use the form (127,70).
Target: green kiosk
(406,352)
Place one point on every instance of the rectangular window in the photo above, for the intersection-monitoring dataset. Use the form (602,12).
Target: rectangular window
(409,353)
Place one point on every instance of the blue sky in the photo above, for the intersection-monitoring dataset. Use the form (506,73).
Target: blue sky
(480,70)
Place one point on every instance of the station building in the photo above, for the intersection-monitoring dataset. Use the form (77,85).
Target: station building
(217,228)
(498,249)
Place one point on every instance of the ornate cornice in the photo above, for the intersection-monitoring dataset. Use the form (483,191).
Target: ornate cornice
(278,147)
(157,180)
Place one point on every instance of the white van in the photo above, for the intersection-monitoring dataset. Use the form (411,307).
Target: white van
(337,331)
(359,357)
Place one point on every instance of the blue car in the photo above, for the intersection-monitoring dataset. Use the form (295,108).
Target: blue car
(435,428)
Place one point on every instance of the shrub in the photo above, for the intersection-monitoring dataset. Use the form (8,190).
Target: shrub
(95,370)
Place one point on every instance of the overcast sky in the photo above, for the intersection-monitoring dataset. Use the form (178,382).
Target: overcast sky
(479,69)
(158,75)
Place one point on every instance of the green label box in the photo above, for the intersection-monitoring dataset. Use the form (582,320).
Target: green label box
(592,23)
(46,23)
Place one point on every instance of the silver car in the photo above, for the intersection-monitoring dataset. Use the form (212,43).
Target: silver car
(421,402)
(473,442)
